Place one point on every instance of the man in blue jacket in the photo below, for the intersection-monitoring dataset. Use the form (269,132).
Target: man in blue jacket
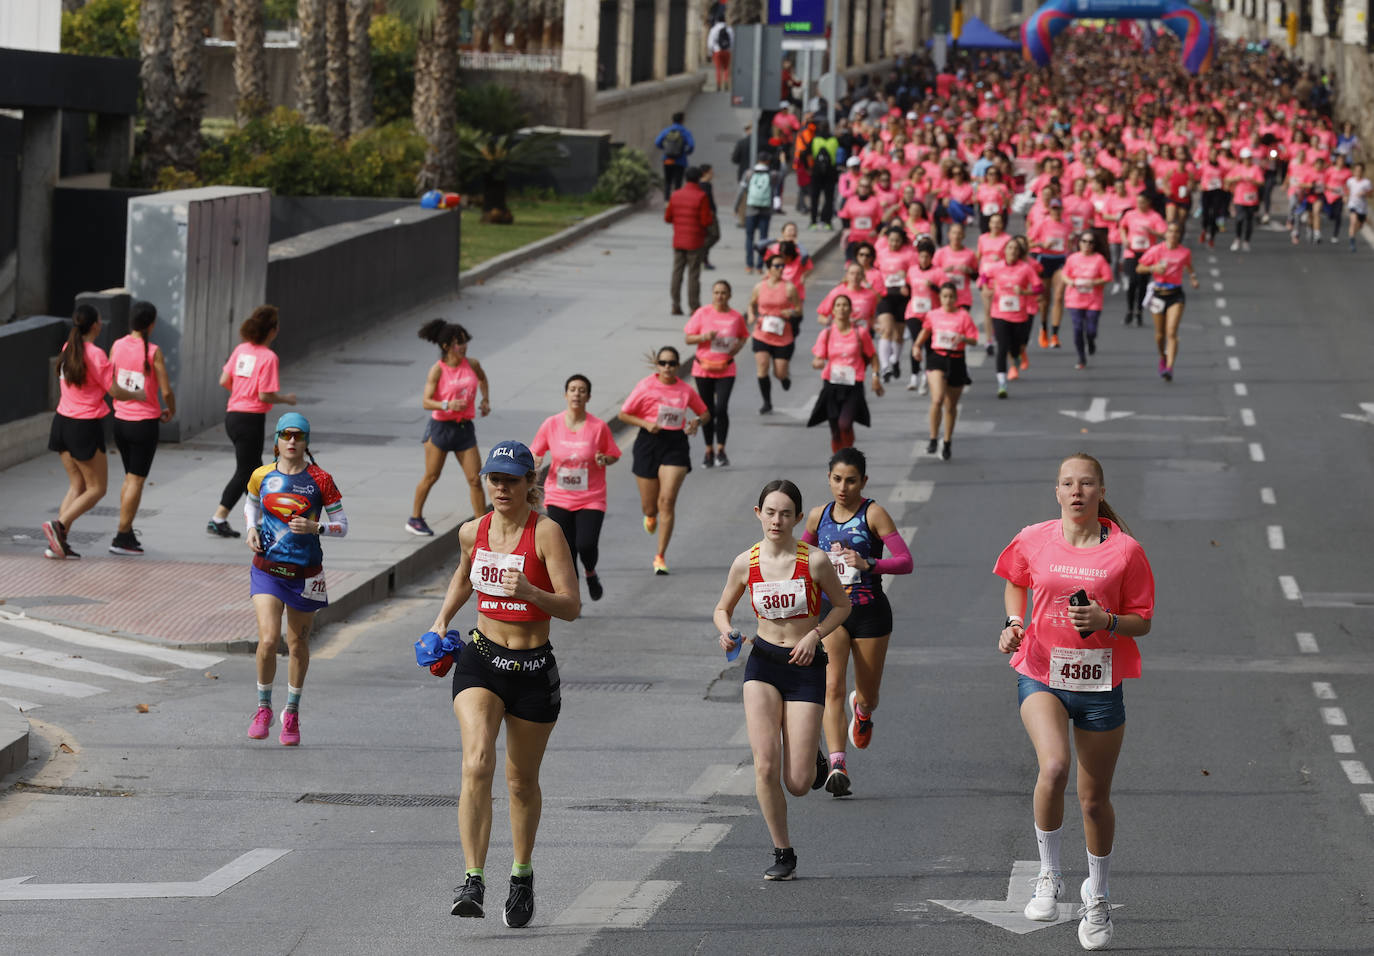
(676,142)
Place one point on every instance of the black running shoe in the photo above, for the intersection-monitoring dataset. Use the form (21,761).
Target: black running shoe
(784,865)
(594,587)
(125,542)
(786,383)
(220,528)
(822,770)
(520,902)
(766,408)
(721,460)
(837,784)
(931,446)
(67,551)
(467,901)
(945,452)
(710,460)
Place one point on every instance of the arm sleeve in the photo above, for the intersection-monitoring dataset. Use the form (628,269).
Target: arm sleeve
(811,538)
(898,560)
(334,522)
(252,510)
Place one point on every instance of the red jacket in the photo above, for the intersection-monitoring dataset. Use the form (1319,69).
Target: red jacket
(690,213)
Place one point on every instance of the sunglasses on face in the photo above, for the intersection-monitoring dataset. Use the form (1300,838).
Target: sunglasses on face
(668,363)
(291,436)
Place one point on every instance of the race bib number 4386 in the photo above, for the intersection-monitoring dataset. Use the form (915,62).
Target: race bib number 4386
(1081,669)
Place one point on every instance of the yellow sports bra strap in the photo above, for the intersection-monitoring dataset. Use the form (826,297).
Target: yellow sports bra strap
(803,555)
(754,556)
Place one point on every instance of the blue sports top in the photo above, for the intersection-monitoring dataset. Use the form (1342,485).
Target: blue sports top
(856,535)
(307,494)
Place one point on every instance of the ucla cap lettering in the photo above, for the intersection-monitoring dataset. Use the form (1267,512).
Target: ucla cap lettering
(509,458)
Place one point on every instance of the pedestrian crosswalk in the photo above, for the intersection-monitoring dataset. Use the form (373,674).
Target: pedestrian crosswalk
(47,648)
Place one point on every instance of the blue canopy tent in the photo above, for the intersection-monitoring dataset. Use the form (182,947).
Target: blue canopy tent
(977,35)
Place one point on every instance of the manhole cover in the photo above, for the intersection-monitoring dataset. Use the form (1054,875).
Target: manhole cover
(380,799)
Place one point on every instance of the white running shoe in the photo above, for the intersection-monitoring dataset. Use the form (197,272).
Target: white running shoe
(911,383)
(1235,245)
(1095,926)
(1044,902)
(1116,288)
(922,386)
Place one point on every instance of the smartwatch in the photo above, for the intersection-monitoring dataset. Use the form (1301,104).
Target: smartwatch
(1013,620)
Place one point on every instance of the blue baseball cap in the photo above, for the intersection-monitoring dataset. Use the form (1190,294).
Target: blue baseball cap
(293,420)
(509,458)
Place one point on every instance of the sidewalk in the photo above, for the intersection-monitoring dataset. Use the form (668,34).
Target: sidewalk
(596,307)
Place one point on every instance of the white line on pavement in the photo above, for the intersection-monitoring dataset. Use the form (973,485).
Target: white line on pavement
(1241,389)
(1307,643)
(1356,772)
(70,635)
(1221,303)
(1275,533)
(1229,341)
(1216,273)
(724,778)
(18,704)
(1233,363)
(1342,744)
(1247,417)
(741,737)
(915,492)
(1219,288)
(1333,717)
(682,838)
(1289,585)
(1323,690)
(908,534)
(48,685)
(1226,321)
(1367,801)
(68,663)
(1256,451)
(620,903)
(1212,260)
(1267,496)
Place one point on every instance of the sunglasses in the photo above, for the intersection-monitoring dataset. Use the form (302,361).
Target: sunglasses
(290,435)
(775,265)
(667,363)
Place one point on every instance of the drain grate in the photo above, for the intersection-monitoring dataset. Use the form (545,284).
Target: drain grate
(380,799)
(72,791)
(608,686)
(351,360)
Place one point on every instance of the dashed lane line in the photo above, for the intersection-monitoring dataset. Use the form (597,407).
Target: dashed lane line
(1289,585)
(1275,535)
(1334,717)
(1307,643)
(1356,772)
(617,903)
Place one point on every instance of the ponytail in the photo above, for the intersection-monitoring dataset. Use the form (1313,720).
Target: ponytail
(71,367)
(141,319)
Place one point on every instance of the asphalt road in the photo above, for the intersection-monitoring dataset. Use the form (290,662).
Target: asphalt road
(1245,809)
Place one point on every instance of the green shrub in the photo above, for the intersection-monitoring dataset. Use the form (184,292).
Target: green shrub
(491,108)
(102,28)
(384,160)
(628,179)
(393,67)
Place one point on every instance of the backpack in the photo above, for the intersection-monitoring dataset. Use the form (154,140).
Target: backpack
(760,189)
(723,41)
(822,164)
(674,144)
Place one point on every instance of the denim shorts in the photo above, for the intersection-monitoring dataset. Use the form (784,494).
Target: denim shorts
(1097,710)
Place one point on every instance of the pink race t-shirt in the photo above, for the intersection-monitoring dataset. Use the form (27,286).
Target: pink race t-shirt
(1008,303)
(1114,573)
(1140,230)
(575,482)
(87,400)
(960,266)
(863,215)
(946,327)
(1174,260)
(1246,185)
(252,369)
(1078,294)
(990,250)
(713,358)
(665,404)
(864,302)
(925,289)
(846,354)
(457,384)
(133,372)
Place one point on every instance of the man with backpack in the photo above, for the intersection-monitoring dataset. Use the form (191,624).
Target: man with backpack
(759,186)
(719,41)
(825,173)
(676,142)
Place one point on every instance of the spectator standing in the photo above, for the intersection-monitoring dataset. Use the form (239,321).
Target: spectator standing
(677,144)
(689,211)
(825,173)
(719,41)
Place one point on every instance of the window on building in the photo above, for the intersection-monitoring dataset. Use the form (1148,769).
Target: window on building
(642,42)
(608,45)
(677,37)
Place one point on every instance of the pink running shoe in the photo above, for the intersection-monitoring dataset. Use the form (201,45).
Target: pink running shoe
(290,728)
(261,721)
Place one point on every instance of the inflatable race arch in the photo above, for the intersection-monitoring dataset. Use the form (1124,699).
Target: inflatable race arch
(1038,32)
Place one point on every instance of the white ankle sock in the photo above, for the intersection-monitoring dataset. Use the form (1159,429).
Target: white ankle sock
(1048,843)
(1099,868)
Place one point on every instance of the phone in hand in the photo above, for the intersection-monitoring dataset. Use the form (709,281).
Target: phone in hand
(1079,598)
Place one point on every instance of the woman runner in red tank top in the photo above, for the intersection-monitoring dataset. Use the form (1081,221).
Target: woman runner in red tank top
(519,564)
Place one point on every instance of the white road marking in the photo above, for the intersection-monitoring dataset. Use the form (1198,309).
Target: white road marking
(916,492)
(1367,801)
(1356,772)
(1267,496)
(212,885)
(908,534)
(976,357)
(1256,451)
(190,660)
(1009,914)
(620,903)
(1233,363)
(1217,286)
(682,838)
(1241,390)
(741,737)
(1221,303)
(1216,273)
(1229,341)
(1289,585)
(1333,717)
(724,778)
(1342,744)
(66,662)
(48,685)
(18,704)
(1247,417)
(1323,690)
(1307,643)
(1226,321)
(1213,261)
(1275,533)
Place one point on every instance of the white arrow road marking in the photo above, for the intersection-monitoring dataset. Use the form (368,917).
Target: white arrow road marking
(1175,418)
(1367,801)
(1367,417)
(67,662)
(621,903)
(70,635)
(1010,914)
(212,885)
(1097,412)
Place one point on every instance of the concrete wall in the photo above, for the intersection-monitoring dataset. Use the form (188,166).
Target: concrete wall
(293,215)
(30,345)
(335,282)
(550,98)
(634,116)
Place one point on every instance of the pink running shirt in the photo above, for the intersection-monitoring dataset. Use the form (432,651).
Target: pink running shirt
(252,369)
(575,482)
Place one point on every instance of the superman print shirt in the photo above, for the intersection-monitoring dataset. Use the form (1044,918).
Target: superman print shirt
(280,498)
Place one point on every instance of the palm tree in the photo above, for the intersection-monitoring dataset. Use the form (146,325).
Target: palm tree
(190,25)
(489,159)
(553,16)
(336,65)
(744,11)
(359,65)
(311,95)
(159,92)
(436,87)
(250,60)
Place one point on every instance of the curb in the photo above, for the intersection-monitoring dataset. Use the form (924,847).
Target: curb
(509,260)
(14,742)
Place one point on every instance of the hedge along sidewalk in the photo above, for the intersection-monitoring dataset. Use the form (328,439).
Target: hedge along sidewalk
(508,260)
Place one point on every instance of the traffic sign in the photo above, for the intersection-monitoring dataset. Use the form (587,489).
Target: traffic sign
(798,17)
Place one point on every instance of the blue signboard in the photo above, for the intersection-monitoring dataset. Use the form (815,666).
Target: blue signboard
(798,17)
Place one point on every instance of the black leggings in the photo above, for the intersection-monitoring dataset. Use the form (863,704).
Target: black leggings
(583,531)
(1214,204)
(1011,340)
(247,431)
(715,392)
(1135,291)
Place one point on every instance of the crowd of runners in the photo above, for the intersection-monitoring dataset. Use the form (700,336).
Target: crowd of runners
(976,213)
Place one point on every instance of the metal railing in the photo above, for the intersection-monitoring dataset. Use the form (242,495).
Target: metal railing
(530,62)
